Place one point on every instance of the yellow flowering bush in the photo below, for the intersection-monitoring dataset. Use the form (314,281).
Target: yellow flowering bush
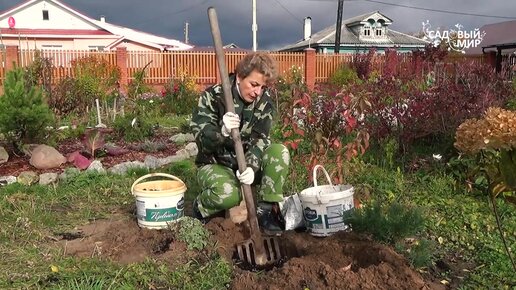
(497,130)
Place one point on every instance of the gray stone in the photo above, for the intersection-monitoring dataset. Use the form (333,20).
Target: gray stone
(4,180)
(69,172)
(172,159)
(183,152)
(183,155)
(152,162)
(28,178)
(48,178)
(192,149)
(182,138)
(46,157)
(123,167)
(96,165)
(4,156)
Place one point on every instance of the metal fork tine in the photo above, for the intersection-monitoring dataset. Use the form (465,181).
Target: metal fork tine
(246,251)
(240,253)
(250,253)
(268,250)
(274,250)
(277,248)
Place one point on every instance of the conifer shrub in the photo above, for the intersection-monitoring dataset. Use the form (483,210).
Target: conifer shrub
(24,115)
(390,223)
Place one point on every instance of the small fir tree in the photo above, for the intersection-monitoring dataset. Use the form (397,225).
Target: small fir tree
(23,113)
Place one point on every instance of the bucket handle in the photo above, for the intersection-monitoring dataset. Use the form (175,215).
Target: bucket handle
(325,173)
(153,175)
(319,195)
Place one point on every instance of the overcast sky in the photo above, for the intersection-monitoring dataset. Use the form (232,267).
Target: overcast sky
(280,22)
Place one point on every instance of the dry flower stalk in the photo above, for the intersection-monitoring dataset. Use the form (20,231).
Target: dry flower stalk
(497,130)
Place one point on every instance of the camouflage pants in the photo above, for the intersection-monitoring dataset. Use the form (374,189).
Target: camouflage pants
(221,188)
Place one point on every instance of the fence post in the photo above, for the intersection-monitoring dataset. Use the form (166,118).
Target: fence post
(12,57)
(310,61)
(491,59)
(121,62)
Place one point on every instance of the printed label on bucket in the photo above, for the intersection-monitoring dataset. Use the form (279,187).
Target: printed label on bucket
(313,220)
(140,209)
(334,219)
(162,214)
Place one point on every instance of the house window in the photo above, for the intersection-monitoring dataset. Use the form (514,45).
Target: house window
(52,46)
(378,32)
(45,15)
(96,47)
(367,31)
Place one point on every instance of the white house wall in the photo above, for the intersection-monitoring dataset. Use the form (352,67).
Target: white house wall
(32,17)
(71,44)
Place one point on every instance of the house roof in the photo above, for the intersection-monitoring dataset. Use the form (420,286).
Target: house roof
(364,17)
(348,37)
(496,33)
(123,33)
(143,37)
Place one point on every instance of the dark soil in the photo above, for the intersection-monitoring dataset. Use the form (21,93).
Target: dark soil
(17,164)
(342,261)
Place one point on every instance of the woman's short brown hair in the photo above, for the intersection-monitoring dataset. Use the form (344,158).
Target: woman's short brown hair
(261,62)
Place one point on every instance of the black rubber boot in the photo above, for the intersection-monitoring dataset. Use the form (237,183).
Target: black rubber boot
(270,219)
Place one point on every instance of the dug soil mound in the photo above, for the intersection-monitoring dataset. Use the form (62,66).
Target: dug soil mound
(342,261)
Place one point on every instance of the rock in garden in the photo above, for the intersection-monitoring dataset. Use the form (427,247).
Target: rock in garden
(123,167)
(48,178)
(28,178)
(96,165)
(152,162)
(4,180)
(79,160)
(182,138)
(171,159)
(46,157)
(3,155)
(183,152)
(192,149)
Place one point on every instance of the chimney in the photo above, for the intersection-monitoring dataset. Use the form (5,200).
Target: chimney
(308,28)
(102,18)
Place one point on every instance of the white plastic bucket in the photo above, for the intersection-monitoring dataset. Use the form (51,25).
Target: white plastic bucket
(324,206)
(158,202)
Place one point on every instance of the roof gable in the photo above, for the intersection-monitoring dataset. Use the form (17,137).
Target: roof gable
(29,15)
(367,18)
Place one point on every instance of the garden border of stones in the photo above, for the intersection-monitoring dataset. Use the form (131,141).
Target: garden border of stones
(150,162)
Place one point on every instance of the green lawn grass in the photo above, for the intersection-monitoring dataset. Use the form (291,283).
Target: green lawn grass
(31,217)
